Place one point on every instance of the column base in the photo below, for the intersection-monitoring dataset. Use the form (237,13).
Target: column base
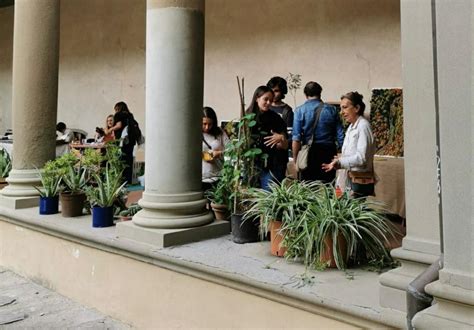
(19,202)
(21,183)
(169,237)
(454,308)
(172,211)
(393,284)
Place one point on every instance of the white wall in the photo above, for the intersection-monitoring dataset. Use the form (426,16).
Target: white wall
(344,45)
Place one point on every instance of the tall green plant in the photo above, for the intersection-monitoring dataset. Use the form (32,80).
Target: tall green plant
(240,162)
(75,179)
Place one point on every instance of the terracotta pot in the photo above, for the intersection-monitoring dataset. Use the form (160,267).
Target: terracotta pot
(327,255)
(72,204)
(221,211)
(276,238)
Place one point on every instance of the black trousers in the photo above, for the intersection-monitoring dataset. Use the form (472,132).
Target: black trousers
(319,154)
(127,158)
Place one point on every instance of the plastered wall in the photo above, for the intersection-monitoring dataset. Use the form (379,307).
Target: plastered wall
(344,45)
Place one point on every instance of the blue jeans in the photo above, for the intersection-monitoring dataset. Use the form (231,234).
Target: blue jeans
(266,176)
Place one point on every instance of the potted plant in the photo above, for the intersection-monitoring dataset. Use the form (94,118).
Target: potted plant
(284,203)
(219,194)
(334,229)
(73,195)
(128,213)
(50,188)
(5,167)
(240,158)
(102,196)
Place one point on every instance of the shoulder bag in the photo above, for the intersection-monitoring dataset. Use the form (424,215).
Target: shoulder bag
(302,157)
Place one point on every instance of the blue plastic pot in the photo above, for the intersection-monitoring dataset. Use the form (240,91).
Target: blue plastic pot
(49,205)
(102,216)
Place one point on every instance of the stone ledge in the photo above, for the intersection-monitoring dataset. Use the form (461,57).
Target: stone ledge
(249,268)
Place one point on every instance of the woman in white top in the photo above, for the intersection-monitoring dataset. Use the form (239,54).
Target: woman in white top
(213,144)
(358,149)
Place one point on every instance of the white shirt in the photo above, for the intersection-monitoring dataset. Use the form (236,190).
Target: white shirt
(358,149)
(210,170)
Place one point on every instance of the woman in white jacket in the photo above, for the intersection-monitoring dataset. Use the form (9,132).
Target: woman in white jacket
(358,149)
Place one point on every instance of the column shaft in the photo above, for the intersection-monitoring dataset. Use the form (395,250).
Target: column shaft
(35,90)
(421,245)
(174,100)
(454,292)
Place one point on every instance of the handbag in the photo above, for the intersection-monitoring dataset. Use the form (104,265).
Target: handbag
(302,157)
(362,177)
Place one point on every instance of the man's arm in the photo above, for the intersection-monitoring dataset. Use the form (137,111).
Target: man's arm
(295,147)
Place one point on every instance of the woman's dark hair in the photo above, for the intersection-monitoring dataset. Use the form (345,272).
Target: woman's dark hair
(121,107)
(208,112)
(280,83)
(356,100)
(253,108)
(312,88)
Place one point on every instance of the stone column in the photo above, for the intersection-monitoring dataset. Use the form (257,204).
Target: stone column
(174,99)
(454,292)
(34,99)
(421,245)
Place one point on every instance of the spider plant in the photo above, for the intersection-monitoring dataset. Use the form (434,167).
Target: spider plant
(286,202)
(356,221)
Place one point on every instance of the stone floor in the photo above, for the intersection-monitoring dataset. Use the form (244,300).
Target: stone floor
(24,304)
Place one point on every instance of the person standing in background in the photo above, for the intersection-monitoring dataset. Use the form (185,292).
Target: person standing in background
(327,136)
(358,149)
(214,140)
(121,120)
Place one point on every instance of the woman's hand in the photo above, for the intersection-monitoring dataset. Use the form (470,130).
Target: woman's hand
(275,140)
(334,165)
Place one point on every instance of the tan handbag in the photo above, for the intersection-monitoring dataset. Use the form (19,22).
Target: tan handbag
(362,177)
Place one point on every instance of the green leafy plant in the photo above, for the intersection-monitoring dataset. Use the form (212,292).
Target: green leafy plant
(360,223)
(50,180)
(109,186)
(131,210)
(286,201)
(5,163)
(75,179)
(240,160)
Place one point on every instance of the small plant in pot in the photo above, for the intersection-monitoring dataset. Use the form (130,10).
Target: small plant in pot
(103,195)
(73,196)
(49,192)
(5,167)
(219,195)
(128,213)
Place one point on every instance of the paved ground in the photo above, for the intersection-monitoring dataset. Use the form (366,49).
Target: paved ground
(24,304)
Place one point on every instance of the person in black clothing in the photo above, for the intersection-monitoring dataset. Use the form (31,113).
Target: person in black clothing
(121,120)
(271,136)
(280,89)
